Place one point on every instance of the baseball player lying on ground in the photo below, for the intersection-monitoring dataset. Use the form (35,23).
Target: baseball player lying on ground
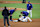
(23,18)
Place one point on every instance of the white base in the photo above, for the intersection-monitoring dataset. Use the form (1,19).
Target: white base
(15,20)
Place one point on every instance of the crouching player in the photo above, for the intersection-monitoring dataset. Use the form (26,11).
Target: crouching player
(25,14)
(24,18)
(11,12)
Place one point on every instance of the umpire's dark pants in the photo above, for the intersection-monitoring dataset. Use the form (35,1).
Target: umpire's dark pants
(6,18)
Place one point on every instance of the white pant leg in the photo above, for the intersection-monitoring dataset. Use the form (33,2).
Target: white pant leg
(15,20)
(26,19)
(29,19)
(31,13)
(28,11)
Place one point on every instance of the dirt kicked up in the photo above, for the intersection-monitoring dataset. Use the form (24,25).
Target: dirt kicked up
(34,23)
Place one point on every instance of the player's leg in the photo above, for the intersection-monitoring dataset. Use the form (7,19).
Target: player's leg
(15,20)
(11,17)
(8,22)
(21,18)
(31,13)
(28,11)
(4,22)
(29,19)
(26,19)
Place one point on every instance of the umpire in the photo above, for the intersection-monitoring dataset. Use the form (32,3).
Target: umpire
(5,14)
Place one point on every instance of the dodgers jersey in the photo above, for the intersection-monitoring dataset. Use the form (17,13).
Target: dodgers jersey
(12,11)
(25,13)
(29,6)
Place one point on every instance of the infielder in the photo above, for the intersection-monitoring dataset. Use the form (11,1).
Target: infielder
(11,12)
(23,18)
(29,8)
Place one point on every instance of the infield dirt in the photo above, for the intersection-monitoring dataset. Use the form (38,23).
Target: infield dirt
(34,23)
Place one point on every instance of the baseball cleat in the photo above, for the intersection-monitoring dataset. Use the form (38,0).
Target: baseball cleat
(31,21)
(11,20)
(15,20)
(4,26)
(8,26)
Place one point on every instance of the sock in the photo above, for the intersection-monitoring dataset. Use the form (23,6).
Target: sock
(10,17)
(18,20)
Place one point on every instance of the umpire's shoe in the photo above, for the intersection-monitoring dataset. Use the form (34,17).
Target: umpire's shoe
(8,26)
(4,26)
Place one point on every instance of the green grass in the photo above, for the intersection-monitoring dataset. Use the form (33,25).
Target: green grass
(17,5)
(33,1)
(1,15)
(17,13)
(35,10)
(10,0)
